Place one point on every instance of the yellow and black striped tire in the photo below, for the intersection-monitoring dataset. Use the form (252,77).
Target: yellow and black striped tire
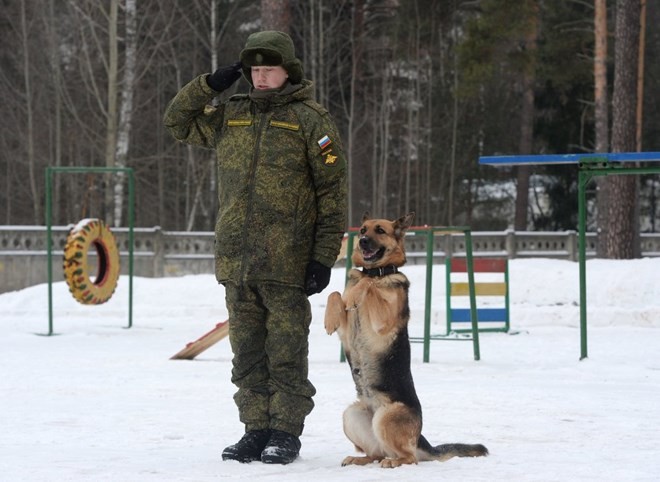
(88,233)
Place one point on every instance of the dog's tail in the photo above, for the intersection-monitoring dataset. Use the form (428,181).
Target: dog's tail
(426,451)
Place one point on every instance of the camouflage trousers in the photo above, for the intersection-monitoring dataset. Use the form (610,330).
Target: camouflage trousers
(269,331)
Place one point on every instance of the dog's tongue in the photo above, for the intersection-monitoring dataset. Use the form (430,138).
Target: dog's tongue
(369,254)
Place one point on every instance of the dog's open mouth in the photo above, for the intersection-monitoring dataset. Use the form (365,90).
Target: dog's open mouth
(372,255)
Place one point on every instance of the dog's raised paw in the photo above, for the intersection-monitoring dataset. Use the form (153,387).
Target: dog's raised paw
(335,313)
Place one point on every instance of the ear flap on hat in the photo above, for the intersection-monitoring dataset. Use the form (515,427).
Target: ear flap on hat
(295,70)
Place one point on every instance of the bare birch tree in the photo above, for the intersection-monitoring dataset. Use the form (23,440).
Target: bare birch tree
(454,139)
(29,110)
(111,104)
(56,98)
(126,106)
(351,110)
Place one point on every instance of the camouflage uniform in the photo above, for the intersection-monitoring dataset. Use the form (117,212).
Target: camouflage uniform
(282,202)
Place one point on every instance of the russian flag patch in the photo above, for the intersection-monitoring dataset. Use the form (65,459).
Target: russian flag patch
(324,142)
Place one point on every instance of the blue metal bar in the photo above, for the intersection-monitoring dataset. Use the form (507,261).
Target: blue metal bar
(570,158)
(462,315)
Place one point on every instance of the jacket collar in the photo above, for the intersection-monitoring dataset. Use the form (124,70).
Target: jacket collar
(288,93)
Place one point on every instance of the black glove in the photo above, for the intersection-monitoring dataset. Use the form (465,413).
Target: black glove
(224,77)
(317,277)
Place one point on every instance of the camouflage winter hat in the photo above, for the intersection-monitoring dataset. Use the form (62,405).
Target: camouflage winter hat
(271,48)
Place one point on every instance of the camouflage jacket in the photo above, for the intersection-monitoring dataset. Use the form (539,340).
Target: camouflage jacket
(281,180)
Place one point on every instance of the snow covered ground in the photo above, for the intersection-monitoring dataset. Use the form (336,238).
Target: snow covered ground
(100,402)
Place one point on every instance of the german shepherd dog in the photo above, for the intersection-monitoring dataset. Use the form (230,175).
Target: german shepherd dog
(371,318)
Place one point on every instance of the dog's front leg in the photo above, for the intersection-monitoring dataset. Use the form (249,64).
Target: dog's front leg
(335,313)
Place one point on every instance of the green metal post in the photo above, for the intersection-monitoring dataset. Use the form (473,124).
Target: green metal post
(586,171)
(49,243)
(583,179)
(349,265)
(448,294)
(506,298)
(131,222)
(427,299)
(473,298)
(49,246)
(349,252)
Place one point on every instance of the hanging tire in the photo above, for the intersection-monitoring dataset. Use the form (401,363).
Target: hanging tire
(88,233)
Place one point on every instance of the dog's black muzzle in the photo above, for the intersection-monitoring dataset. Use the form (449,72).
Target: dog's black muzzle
(370,251)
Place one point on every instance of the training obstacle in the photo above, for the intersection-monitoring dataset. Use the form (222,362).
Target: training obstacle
(206,341)
(589,166)
(50,172)
(490,317)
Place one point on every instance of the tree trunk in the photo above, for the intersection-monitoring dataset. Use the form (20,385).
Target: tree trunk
(196,177)
(356,39)
(413,185)
(276,15)
(621,222)
(640,77)
(36,196)
(111,119)
(526,121)
(126,108)
(385,122)
(601,114)
(54,57)
(454,136)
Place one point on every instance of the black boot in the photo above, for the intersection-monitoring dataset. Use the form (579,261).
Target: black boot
(249,447)
(282,448)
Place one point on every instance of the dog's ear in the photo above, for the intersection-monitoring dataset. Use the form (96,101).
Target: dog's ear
(403,223)
(366,216)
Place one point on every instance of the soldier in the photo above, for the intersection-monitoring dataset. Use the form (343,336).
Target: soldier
(282,214)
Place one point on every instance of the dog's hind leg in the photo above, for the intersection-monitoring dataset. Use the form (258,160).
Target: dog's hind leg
(358,428)
(398,428)
(335,313)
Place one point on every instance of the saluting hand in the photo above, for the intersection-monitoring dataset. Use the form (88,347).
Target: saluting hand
(224,77)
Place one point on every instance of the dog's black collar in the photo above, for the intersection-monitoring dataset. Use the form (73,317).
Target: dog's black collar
(377,272)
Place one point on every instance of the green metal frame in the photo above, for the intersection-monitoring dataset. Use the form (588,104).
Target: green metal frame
(506,321)
(589,166)
(587,170)
(49,219)
(430,233)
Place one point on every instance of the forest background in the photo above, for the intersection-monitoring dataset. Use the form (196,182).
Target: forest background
(418,88)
